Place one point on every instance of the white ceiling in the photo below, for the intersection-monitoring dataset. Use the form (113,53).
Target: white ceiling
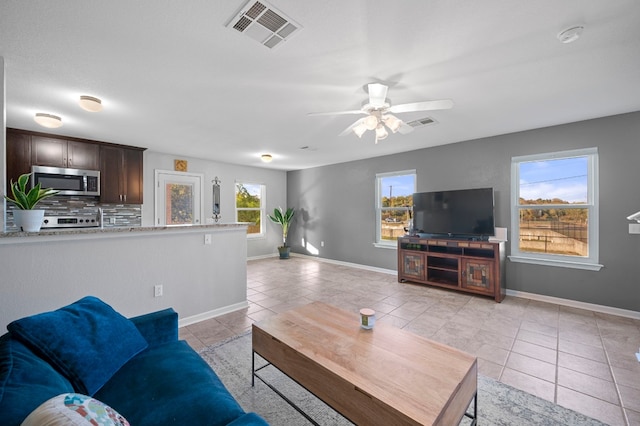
(173,77)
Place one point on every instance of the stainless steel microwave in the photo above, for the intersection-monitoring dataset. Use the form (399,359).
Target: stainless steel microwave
(67,181)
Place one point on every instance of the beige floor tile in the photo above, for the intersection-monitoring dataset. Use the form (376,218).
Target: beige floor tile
(633,417)
(626,377)
(532,367)
(539,328)
(489,369)
(535,351)
(539,339)
(590,406)
(584,365)
(593,386)
(533,385)
(630,397)
(585,351)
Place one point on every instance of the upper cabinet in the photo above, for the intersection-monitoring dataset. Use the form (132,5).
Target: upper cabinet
(120,175)
(64,153)
(120,165)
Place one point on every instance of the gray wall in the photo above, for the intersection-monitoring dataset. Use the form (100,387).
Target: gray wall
(3,132)
(275,181)
(336,203)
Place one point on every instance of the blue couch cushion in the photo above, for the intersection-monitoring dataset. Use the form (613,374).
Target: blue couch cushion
(86,341)
(26,381)
(170,384)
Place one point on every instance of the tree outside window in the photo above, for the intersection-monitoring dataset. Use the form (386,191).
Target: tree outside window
(250,206)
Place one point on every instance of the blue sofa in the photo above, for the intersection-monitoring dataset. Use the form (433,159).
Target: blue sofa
(136,366)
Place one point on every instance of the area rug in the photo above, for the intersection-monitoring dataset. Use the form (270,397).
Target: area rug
(498,404)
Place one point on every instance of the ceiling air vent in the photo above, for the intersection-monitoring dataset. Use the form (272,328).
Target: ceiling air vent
(264,23)
(421,122)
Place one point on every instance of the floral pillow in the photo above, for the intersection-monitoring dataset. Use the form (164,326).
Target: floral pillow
(74,409)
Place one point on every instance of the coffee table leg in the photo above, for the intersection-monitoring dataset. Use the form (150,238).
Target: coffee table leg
(474,417)
(253,368)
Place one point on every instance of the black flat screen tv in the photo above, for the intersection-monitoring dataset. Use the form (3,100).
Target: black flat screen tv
(465,213)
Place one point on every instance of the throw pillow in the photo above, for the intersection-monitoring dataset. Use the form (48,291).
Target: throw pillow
(73,409)
(86,341)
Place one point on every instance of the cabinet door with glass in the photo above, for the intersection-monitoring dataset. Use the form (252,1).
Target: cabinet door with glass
(478,274)
(412,266)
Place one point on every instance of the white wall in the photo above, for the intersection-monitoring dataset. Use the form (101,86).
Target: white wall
(42,273)
(229,174)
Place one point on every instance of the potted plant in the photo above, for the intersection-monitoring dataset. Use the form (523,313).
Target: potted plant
(284,219)
(25,217)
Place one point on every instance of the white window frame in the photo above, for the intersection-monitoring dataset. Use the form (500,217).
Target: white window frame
(380,243)
(262,209)
(589,262)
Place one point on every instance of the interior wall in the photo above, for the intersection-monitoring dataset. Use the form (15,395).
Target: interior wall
(229,174)
(336,203)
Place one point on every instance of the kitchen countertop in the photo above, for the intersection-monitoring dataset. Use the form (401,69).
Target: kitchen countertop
(82,233)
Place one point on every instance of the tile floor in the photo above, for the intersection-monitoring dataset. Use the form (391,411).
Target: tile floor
(576,358)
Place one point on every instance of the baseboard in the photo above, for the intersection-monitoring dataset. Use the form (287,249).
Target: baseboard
(212,314)
(575,304)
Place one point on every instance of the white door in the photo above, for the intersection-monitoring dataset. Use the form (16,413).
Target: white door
(179,198)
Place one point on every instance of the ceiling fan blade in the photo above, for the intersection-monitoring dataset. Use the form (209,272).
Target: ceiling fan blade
(422,106)
(405,129)
(355,111)
(350,128)
(377,94)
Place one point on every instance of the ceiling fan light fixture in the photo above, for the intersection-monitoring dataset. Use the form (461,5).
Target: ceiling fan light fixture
(266,158)
(371,122)
(393,123)
(90,103)
(48,120)
(381,132)
(360,129)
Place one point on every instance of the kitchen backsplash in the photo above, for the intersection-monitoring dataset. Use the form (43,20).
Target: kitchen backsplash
(115,215)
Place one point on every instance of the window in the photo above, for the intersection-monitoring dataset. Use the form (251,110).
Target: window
(178,198)
(394,200)
(250,207)
(554,211)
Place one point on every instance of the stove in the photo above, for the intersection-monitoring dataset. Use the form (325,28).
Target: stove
(51,222)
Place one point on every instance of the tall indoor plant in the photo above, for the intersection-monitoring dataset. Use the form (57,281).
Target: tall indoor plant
(25,217)
(284,219)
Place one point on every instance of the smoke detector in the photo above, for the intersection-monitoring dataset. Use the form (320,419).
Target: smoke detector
(264,23)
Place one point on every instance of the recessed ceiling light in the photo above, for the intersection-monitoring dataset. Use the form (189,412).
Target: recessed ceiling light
(266,158)
(90,103)
(570,34)
(48,120)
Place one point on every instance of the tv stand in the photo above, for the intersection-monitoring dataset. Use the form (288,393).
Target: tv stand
(465,265)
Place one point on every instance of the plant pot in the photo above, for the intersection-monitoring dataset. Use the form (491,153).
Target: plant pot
(284,252)
(28,220)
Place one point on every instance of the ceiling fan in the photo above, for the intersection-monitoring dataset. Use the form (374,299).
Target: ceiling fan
(378,113)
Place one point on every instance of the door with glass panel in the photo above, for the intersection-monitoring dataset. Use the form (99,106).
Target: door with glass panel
(178,198)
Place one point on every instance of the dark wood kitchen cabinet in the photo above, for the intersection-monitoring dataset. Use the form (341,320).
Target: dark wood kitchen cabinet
(120,175)
(56,152)
(18,156)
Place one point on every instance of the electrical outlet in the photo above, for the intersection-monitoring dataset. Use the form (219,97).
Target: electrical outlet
(207,239)
(321,243)
(157,290)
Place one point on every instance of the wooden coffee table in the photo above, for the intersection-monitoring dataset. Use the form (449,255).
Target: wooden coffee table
(382,376)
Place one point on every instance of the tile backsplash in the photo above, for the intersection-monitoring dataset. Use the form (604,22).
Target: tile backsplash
(115,215)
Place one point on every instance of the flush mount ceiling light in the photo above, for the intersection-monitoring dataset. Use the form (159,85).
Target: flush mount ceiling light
(266,158)
(570,34)
(48,120)
(90,103)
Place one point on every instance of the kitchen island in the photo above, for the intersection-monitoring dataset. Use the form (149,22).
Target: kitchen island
(201,270)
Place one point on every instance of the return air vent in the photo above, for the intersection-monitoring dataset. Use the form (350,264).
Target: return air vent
(421,122)
(264,23)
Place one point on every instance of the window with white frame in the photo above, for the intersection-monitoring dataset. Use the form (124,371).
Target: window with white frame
(554,209)
(250,207)
(394,201)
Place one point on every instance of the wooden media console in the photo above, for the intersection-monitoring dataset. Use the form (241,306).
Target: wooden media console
(470,266)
